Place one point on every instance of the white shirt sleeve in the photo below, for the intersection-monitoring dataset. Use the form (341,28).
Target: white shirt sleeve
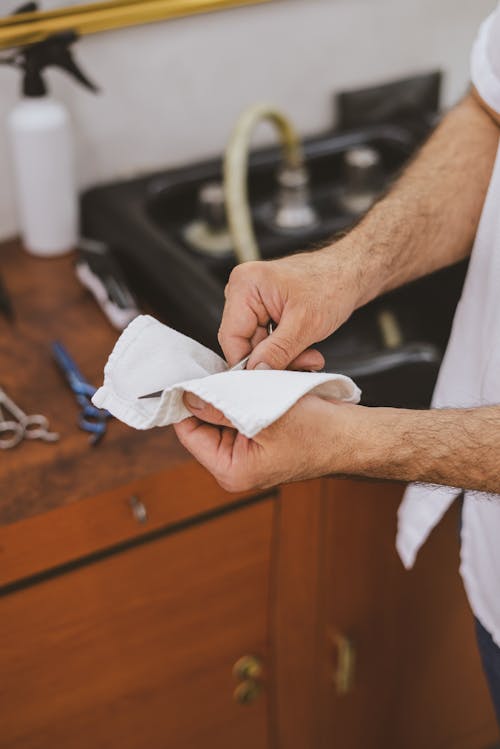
(485,61)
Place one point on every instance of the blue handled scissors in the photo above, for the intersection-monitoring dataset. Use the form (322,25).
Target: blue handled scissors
(93,420)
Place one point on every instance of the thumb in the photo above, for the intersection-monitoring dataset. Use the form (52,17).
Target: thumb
(280,348)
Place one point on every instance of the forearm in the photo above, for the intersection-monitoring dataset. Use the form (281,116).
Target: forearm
(430,216)
(455,447)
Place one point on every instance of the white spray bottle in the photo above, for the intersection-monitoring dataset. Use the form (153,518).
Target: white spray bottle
(42,150)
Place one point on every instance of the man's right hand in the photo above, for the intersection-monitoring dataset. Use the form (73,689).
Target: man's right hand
(308,296)
(427,221)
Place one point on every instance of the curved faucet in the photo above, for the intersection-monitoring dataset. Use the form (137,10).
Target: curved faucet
(236,171)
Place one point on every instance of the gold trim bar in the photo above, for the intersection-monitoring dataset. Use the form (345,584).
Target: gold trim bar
(26,28)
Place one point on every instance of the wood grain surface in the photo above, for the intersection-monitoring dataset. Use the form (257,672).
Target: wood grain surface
(51,304)
(418,680)
(137,651)
(106,522)
(297,576)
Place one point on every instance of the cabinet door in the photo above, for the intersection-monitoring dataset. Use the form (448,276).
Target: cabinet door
(406,637)
(136,651)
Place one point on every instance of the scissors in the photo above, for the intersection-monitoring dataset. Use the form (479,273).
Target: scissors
(240,365)
(92,419)
(21,426)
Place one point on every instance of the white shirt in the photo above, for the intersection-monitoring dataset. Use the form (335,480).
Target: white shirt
(470,376)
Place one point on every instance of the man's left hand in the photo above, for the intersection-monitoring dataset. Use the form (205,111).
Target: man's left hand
(306,442)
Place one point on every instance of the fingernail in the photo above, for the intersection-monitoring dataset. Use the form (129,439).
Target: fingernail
(194,402)
(262,365)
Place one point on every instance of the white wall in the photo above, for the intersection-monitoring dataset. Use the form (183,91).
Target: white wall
(171,91)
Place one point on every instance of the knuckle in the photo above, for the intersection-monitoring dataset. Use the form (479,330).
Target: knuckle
(236,275)
(245,272)
(213,415)
(279,350)
(281,347)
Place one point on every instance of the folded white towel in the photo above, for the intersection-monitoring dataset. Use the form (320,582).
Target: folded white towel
(150,356)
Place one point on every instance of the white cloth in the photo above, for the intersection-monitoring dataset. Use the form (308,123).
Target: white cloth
(150,356)
(485,61)
(470,376)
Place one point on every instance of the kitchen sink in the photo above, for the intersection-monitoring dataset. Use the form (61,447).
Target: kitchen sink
(392,347)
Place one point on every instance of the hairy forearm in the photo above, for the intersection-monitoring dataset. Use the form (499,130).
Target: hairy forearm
(429,218)
(454,447)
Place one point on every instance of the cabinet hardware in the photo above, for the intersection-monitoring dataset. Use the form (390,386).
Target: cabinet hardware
(248,670)
(138,509)
(343,676)
(248,667)
(247,692)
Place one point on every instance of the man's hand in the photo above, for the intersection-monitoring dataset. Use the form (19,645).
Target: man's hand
(300,445)
(427,221)
(318,437)
(308,296)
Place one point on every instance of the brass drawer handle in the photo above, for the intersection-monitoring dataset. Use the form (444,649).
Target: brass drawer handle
(343,676)
(138,509)
(247,692)
(247,667)
(248,670)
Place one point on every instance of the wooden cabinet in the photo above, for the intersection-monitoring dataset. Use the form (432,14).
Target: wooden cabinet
(131,641)
(130,584)
(137,650)
(399,661)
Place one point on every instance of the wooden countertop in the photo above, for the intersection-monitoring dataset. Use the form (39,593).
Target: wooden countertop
(51,304)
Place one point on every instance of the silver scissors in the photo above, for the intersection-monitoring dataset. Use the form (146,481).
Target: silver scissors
(243,363)
(240,365)
(21,425)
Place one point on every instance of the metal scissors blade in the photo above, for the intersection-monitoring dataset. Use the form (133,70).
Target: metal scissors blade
(13,431)
(240,365)
(156,394)
(29,426)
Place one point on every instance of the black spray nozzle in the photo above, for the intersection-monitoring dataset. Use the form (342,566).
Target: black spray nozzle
(54,51)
